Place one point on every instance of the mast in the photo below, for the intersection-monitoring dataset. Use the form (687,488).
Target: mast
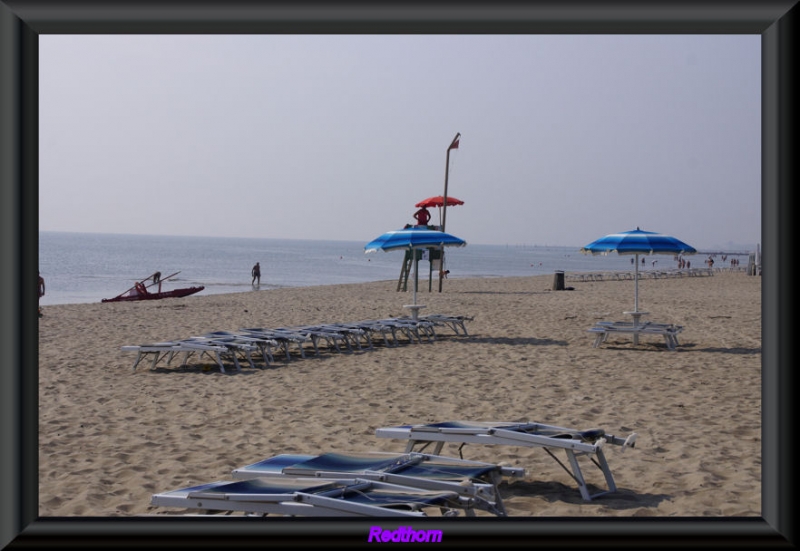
(453,145)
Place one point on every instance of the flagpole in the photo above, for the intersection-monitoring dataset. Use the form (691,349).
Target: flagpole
(453,145)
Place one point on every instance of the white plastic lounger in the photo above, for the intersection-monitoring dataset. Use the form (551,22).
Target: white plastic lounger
(238,348)
(352,335)
(168,349)
(470,479)
(372,327)
(575,443)
(264,345)
(412,329)
(284,339)
(603,329)
(358,333)
(319,333)
(456,323)
(318,497)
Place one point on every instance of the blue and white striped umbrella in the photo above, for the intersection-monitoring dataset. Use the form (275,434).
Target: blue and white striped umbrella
(413,238)
(637,242)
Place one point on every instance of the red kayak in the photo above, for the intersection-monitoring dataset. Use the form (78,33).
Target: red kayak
(140,291)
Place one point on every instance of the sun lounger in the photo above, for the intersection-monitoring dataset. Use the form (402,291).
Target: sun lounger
(352,335)
(321,333)
(264,345)
(602,330)
(358,332)
(575,443)
(285,338)
(471,479)
(373,327)
(237,348)
(413,329)
(169,349)
(302,496)
(456,323)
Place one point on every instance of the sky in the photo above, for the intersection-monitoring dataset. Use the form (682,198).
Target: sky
(563,138)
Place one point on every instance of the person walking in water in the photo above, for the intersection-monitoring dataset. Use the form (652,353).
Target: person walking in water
(256,273)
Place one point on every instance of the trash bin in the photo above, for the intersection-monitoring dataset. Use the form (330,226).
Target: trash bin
(558,280)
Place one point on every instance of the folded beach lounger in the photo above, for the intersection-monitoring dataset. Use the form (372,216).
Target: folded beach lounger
(470,479)
(169,349)
(303,496)
(575,443)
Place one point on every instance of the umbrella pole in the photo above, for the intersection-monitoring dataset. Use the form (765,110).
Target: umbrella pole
(416,275)
(636,287)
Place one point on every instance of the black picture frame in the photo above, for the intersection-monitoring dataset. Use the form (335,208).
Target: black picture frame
(21,22)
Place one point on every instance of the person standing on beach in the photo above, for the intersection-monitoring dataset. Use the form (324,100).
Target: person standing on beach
(41,291)
(256,273)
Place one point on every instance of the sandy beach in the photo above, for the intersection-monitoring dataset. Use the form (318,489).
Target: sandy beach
(110,436)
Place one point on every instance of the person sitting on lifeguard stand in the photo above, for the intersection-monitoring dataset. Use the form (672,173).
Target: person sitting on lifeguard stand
(422,216)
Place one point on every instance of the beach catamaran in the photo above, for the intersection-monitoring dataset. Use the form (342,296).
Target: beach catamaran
(140,290)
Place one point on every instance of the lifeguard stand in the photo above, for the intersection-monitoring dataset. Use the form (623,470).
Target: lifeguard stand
(434,255)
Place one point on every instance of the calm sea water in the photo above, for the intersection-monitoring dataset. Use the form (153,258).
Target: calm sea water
(85,267)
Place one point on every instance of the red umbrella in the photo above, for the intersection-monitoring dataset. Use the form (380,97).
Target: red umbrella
(438,201)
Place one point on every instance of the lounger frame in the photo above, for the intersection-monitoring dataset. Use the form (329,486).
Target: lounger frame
(549,437)
(392,468)
(327,502)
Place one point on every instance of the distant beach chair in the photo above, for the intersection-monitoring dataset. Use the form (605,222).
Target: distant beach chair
(575,443)
(470,479)
(322,497)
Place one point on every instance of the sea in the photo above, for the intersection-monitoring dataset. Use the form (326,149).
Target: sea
(88,267)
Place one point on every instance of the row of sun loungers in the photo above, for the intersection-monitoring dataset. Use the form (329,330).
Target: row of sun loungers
(396,484)
(644,274)
(248,345)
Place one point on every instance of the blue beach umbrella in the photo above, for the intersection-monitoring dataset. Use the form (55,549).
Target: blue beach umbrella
(637,242)
(409,239)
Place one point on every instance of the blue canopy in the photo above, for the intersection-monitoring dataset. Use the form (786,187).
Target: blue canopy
(413,238)
(637,242)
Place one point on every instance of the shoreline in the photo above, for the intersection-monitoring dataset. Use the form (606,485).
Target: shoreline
(110,437)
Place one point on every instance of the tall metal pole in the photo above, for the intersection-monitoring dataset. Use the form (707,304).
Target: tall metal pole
(453,145)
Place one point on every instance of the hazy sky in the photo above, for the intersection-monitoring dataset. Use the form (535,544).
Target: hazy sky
(564,138)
